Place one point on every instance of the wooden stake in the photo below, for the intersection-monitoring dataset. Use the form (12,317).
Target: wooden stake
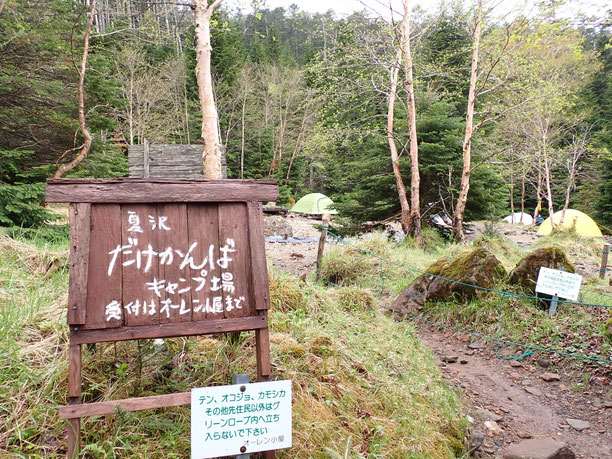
(74,398)
(325,222)
(604,261)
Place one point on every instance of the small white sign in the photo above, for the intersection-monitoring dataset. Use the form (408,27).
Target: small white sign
(227,421)
(560,283)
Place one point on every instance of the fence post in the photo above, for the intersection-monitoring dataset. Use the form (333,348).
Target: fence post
(604,261)
(325,222)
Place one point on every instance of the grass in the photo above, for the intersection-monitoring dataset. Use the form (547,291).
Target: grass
(355,394)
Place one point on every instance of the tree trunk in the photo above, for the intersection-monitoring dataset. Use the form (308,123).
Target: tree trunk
(210,131)
(458,233)
(522,196)
(415,206)
(401,190)
(83,149)
(547,171)
(512,196)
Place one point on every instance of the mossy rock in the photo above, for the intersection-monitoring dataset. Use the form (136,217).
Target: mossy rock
(525,274)
(608,329)
(477,268)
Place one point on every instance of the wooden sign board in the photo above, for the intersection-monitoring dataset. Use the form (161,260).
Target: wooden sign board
(162,258)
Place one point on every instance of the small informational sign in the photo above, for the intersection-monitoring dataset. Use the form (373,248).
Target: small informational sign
(240,419)
(563,284)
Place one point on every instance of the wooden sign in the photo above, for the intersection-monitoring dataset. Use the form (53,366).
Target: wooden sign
(158,259)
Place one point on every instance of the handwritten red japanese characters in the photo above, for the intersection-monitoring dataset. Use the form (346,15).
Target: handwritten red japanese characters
(177,279)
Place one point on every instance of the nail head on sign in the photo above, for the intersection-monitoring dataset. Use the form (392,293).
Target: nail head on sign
(242,388)
(243,448)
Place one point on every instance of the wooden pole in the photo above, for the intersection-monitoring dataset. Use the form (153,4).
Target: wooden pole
(604,261)
(325,222)
(74,398)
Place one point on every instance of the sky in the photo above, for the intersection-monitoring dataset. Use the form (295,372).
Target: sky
(343,8)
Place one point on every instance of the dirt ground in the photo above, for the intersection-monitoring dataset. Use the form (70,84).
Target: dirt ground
(512,395)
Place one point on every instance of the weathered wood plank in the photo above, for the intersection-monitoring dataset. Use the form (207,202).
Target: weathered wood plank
(170,330)
(203,224)
(128,404)
(262,350)
(178,282)
(140,265)
(234,242)
(159,190)
(259,268)
(104,288)
(80,221)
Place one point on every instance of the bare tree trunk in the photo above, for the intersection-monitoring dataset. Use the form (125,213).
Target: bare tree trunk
(458,233)
(512,196)
(547,171)
(401,190)
(538,208)
(415,205)
(522,196)
(83,149)
(210,132)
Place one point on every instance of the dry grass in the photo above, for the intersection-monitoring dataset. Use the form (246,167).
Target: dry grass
(363,384)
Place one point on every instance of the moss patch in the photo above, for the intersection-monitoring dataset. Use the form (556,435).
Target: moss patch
(525,274)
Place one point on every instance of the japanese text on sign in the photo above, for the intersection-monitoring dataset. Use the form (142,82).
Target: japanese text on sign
(563,284)
(225,419)
(207,279)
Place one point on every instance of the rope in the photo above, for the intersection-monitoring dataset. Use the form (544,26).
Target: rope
(510,294)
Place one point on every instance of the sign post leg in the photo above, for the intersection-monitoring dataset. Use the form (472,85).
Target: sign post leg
(553,305)
(604,261)
(74,398)
(262,341)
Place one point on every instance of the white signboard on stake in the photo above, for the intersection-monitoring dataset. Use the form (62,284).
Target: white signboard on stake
(563,284)
(240,419)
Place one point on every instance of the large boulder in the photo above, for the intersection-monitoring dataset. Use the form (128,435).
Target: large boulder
(525,274)
(479,268)
(277,226)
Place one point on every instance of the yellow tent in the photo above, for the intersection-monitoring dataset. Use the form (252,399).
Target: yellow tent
(583,224)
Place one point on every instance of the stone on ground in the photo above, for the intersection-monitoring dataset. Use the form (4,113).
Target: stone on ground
(526,271)
(539,448)
(479,267)
(578,425)
(277,226)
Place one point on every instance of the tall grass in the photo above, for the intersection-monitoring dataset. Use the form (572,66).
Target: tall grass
(359,377)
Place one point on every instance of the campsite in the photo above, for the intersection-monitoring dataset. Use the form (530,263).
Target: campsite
(369,229)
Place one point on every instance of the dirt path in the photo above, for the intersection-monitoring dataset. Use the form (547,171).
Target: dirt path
(522,403)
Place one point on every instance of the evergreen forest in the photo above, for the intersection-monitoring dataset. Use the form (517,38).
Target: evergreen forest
(303,98)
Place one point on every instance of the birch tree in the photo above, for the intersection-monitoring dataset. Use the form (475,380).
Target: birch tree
(467,141)
(210,119)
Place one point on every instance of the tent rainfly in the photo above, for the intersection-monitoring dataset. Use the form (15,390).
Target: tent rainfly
(516,219)
(583,224)
(314,203)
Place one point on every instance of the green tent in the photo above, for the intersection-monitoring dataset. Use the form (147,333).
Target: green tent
(314,203)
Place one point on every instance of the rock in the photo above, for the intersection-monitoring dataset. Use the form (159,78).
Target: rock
(514,375)
(476,345)
(544,363)
(277,226)
(487,415)
(607,404)
(463,362)
(450,358)
(548,377)
(470,352)
(524,434)
(539,448)
(515,364)
(534,391)
(476,439)
(577,424)
(525,274)
(479,267)
(493,427)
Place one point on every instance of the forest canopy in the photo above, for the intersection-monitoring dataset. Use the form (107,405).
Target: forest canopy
(302,98)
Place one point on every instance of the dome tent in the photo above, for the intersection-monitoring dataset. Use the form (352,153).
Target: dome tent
(515,218)
(583,224)
(314,203)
